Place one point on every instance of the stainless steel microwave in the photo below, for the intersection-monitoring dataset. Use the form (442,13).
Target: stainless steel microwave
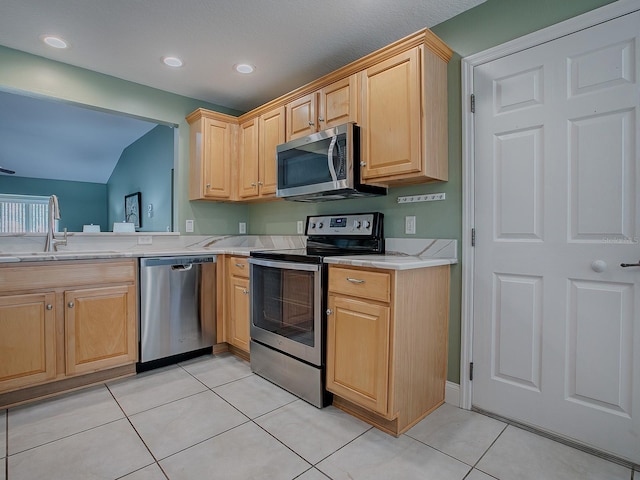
(323,166)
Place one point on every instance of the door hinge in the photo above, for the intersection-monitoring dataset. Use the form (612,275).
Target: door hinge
(471,371)
(473,237)
(473,103)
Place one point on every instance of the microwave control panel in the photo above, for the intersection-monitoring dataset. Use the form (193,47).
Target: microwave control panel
(343,225)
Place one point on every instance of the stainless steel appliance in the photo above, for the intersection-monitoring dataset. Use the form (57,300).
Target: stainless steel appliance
(323,166)
(289,300)
(177,307)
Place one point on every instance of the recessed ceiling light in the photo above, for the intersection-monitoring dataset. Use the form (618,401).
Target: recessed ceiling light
(172,61)
(244,68)
(53,41)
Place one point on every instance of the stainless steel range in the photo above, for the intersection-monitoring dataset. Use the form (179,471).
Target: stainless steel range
(289,300)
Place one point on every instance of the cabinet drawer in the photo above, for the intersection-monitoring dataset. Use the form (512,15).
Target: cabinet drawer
(360,283)
(239,266)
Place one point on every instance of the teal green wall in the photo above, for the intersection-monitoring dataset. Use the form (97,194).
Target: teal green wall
(29,74)
(80,202)
(145,167)
(489,24)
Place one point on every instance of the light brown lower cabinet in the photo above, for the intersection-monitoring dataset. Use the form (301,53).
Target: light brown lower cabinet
(62,322)
(100,328)
(387,343)
(237,308)
(27,339)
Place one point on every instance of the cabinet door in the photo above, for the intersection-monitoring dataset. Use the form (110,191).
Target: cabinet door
(391,117)
(239,313)
(27,340)
(301,117)
(100,328)
(248,159)
(339,103)
(272,133)
(358,343)
(216,150)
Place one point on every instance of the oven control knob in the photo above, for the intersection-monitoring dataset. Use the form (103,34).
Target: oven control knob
(356,224)
(366,224)
(313,225)
(320,224)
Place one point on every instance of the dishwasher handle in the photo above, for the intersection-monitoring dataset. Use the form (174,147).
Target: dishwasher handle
(182,268)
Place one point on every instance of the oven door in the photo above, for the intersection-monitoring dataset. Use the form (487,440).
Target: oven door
(286,307)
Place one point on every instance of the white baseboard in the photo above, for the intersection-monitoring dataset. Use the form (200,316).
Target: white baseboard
(452,394)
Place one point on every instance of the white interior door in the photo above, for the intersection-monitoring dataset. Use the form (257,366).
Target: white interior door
(556,340)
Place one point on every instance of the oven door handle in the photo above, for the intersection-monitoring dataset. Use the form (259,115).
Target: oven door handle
(307,267)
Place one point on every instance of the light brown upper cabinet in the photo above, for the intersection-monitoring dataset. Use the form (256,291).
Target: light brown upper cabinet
(327,107)
(211,145)
(257,141)
(248,159)
(404,119)
(397,95)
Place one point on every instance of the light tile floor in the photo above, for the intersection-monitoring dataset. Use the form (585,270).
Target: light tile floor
(212,418)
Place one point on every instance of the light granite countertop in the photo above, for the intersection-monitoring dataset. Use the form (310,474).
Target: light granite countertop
(401,253)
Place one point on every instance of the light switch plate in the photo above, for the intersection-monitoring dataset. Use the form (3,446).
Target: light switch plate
(242,227)
(189,226)
(300,227)
(410,224)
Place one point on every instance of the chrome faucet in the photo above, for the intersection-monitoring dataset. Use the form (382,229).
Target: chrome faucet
(54,214)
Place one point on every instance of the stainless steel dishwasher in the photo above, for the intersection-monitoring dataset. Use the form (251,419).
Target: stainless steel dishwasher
(177,307)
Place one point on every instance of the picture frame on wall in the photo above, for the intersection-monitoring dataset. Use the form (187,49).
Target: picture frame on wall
(132,209)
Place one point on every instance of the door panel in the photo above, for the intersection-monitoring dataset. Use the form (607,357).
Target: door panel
(556,318)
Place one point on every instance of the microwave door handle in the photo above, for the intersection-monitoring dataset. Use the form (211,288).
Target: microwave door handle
(332,169)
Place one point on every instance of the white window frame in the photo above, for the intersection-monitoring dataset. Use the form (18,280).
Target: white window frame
(24,214)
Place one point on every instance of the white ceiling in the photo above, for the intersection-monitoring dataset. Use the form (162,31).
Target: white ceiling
(291,42)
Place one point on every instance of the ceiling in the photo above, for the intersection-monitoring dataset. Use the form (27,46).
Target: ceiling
(290,42)
(56,140)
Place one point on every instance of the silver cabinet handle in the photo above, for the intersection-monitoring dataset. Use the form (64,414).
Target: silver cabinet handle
(321,119)
(208,185)
(625,265)
(260,183)
(49,306)
(240,265)
(311,124)
(245,291)
(253,184)
(329,311)
(71,304)
(354,280)
(363,164)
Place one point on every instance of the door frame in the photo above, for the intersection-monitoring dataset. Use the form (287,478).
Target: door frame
(567,27)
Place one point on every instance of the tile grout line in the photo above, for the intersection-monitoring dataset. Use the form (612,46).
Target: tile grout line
(487,451)
(138,434)
(252,420)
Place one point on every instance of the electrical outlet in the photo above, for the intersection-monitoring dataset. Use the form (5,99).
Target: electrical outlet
(242,227)
(145,240)
(189,224)
(410,224)
(300,227)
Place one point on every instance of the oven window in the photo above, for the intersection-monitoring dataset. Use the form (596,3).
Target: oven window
(283,302)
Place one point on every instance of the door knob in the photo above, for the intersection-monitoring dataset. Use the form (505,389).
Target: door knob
(598,266)
(71,304)
(329,311)
(625,265)
(49,306)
